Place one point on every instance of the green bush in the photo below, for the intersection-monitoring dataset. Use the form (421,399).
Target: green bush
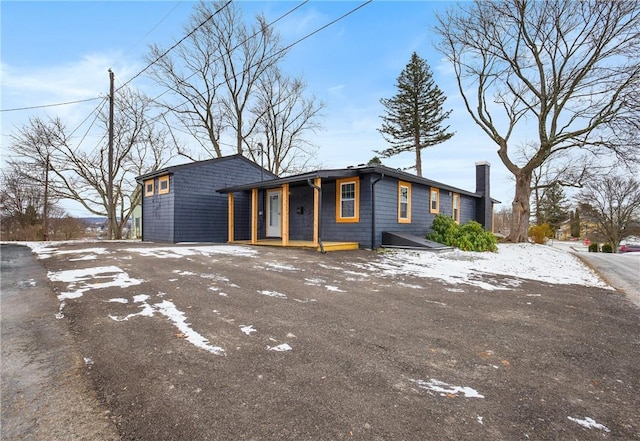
(444,230)
(607,248)
(540,233)
(593,248)
(468,237)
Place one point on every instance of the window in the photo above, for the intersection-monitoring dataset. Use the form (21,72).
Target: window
(455,202)
(163,184)
(434,204)
(149,187)
(404,202)
(348,200)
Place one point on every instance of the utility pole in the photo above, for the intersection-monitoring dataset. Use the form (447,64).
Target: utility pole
(45,214)
(111,208)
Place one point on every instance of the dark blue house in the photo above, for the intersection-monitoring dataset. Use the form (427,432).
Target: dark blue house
(180,203)
(352,206)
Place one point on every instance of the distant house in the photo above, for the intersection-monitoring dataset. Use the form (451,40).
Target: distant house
(353,205)
(180,203)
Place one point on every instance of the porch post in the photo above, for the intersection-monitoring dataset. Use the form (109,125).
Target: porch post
(254,215)
(230,232)
(316,211)
(285,215)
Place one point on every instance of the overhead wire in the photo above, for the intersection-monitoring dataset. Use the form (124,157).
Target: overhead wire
(134,77)
(286,48)
(175,45)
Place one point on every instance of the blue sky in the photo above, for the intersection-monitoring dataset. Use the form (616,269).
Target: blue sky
(60,51)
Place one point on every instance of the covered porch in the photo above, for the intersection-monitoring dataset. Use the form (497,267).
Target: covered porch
(270,215)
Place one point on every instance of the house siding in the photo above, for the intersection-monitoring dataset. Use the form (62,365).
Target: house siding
(346,231)
(157,215)
(193,211)
(386,192)
(301,213)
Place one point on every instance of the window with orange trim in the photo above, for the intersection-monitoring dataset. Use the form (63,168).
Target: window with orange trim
(149,187)
(404,202)
(163,184)
(348,200)
(434,201)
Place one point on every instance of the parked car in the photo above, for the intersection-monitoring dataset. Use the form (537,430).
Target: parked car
(629,248)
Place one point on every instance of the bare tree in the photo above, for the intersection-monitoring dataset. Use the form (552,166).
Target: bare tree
(612,204)
(82,175)
(569,67)
(283,116)
(214,74)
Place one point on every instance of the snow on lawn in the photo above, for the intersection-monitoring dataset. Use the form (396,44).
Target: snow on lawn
(520,261)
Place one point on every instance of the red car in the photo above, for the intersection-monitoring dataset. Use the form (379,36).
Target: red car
(629,248)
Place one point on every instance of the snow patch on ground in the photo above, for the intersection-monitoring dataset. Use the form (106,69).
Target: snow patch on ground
(280,348)
(275,294)
(181,251)
(520,261)
(590,423)
(177,318)
(445,389)
(85,279)
(248,329)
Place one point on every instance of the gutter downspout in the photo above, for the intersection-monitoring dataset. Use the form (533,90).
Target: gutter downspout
(373,211)
(312,185)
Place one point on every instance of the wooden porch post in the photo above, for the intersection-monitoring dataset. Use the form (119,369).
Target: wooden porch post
(231,232)
(254,215)
(285,215)
(316,211)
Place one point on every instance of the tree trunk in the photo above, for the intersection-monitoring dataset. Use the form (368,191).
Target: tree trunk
(521,207)
(416,143)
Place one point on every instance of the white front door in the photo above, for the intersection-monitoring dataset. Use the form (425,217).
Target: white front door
(273,214)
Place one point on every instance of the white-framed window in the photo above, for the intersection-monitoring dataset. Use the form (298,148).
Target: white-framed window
(348,200)
(455,211)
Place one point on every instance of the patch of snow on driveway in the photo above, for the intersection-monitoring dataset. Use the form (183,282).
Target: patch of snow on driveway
(275,294)
(446,389)
(590,423)
(83,280)
(181,251)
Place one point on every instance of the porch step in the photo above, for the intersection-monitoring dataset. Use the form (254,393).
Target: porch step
(340,246)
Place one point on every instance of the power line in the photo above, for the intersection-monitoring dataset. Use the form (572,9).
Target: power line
(154,28)
(134,77)
(51,105)
(175,45)
(290,11)
(175,108)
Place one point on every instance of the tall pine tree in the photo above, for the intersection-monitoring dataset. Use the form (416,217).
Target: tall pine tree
(414,116)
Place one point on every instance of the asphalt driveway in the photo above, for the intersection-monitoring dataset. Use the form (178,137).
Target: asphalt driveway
(185,342)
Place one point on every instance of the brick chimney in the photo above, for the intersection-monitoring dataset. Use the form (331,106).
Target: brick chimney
(484,207)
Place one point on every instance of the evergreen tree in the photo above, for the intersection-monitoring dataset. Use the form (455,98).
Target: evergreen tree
(414,116)
(553,207)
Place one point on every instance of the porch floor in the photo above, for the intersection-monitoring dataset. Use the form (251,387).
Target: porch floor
(328,246)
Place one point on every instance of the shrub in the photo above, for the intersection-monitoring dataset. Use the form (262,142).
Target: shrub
(540,233)
(468,237)
(593,248)
(607,248)
(444,230)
